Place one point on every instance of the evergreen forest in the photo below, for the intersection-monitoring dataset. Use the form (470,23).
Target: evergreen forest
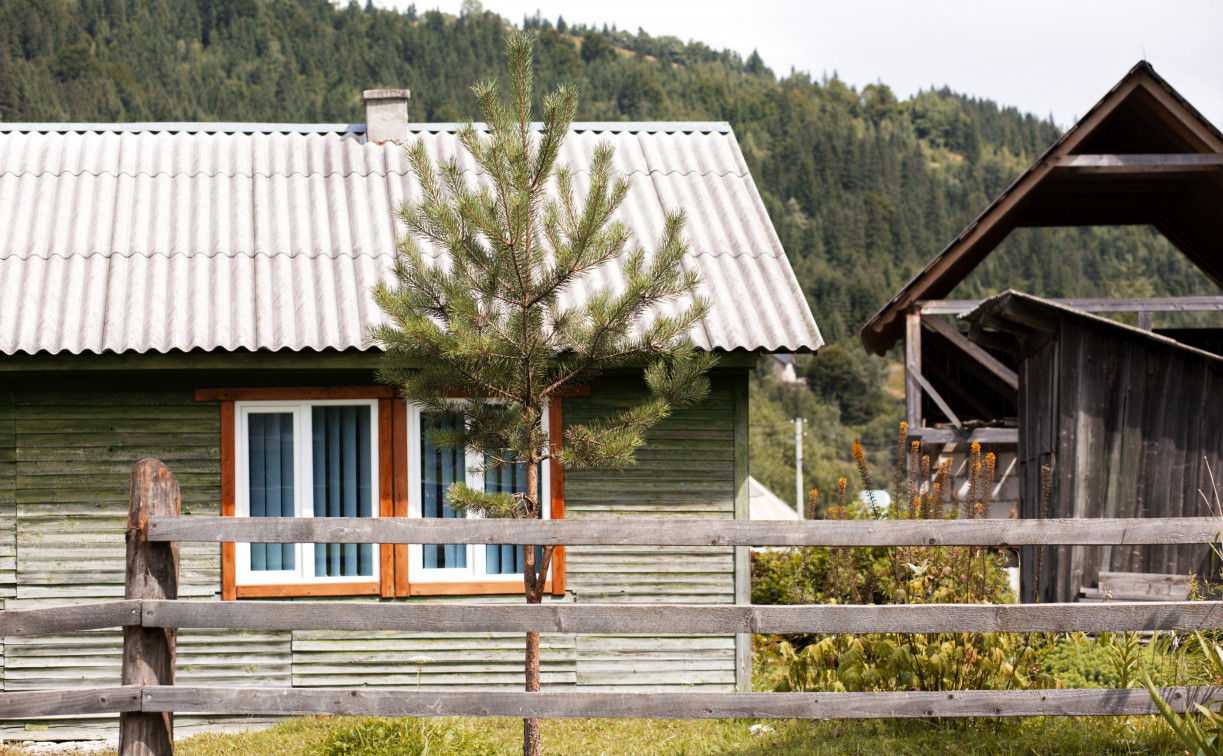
(863,187)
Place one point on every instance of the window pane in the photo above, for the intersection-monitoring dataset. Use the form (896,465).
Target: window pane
(440,468)
(271,483)
(507,559)
(343,484)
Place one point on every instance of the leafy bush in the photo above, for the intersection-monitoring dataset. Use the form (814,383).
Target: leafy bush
(1080,663)
(1115,660)
(381,736)
(942,661)
(903,575)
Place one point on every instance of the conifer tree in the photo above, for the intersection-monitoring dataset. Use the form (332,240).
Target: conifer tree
(482,305)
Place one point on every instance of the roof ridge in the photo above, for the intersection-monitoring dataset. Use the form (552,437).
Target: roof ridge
(254,127)
(291,174)
(313,255)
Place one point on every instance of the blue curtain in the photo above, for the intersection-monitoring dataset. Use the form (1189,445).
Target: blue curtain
(440,468)
(343,484)
(270,439)
(506,559)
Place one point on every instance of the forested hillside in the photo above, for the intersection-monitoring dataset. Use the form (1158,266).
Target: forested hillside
(862,187)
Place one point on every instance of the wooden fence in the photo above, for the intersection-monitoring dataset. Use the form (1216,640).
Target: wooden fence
(150,616)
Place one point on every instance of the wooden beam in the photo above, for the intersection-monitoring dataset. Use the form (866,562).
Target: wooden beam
(36,704)
(386,494)
(974,402)
(352,360)
(913,367)
(742,557)
(556,486)
(152,573)
(570,704)
(938,399)
(1136,163)
(1148,304)
(653,532)
(1191,127)
(711,619)
(229,499)
(67,619)
(305,590)
(947,268)
(967,435)
(402,493)
(576,704)
(987,360)
(293,393)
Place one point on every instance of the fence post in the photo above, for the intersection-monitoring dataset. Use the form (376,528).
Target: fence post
(152,573)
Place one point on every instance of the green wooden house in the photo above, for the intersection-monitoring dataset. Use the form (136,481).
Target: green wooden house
(200,293)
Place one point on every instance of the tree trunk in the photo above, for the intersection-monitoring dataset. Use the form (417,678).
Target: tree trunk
(533,585)
(530,727)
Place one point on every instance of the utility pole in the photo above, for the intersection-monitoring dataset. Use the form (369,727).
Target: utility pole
(798,466)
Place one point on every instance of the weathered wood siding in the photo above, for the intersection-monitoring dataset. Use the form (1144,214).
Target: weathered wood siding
(1127,425)
(686,470)
(67,447)
(72,444)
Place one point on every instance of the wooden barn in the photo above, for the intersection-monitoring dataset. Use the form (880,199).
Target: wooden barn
(1118,413)
(200,293)
(1128,422)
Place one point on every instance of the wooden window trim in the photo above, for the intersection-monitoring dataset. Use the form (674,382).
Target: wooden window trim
(230,590)
(473,588)
(303,394)
(395,574)
(404,586)
(304,590)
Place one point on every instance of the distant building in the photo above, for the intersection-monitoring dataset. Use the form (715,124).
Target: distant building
(766,505)
(783,369)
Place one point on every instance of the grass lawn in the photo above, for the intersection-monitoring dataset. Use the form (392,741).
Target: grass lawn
(341,736)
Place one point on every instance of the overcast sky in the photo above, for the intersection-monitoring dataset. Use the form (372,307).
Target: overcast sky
(1043,56)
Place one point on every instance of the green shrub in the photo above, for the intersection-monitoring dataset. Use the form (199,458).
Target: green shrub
(1115,660)
(903,575)
(381,736)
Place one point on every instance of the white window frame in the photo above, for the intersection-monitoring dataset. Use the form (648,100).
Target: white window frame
(476,569)
(303,488)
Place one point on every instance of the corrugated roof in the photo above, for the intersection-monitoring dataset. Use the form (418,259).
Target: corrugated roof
(159,237)
(1016,308)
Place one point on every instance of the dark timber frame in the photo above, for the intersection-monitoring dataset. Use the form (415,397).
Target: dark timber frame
(1142,155)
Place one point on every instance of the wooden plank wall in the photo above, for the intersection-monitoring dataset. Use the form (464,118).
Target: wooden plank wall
(73,446)
(66,452)
(340,658)
(686,470)
(1134,420)
(1038,437)
(8,503)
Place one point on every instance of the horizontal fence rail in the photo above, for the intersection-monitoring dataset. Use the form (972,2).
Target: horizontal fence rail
(570,705)
(689,532)
(697,619)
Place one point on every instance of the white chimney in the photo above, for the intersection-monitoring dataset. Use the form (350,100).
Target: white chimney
(386,115)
